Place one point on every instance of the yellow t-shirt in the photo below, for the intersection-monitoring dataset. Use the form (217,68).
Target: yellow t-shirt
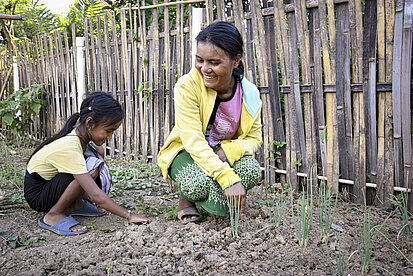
(64,155)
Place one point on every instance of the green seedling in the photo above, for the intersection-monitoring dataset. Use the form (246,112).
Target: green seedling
(302,217)
(172,213)
(366,237)
(326,210)
(234,213)
(341,258)
(400,203)
(92,225)
(109,268)
(110,230)
(276,208)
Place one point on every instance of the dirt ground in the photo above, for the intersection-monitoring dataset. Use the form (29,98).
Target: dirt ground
(166,247)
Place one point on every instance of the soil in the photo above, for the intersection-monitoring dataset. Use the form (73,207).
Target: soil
(167,247)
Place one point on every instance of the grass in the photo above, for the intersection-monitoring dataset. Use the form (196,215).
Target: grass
(11,173)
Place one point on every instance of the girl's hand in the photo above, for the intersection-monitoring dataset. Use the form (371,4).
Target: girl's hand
(221,154)
(138,219)
(236,193)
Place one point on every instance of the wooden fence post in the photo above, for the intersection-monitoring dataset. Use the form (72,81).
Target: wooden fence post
(16,81)
(80,66)
(197,14)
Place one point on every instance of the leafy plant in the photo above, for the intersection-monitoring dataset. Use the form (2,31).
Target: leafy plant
(92,225)
(172,213)
(298,163)
(21,243)
(276,146)
(18,108)
(146,91)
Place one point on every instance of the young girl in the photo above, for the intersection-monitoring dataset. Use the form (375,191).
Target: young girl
(57,178)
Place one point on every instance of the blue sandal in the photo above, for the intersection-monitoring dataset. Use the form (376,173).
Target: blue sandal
(62,227)
(88,210)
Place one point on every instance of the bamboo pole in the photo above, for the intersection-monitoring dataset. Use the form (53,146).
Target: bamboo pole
(356,34)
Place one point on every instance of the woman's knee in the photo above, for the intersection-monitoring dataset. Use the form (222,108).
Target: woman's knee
(248,168)
(194,184)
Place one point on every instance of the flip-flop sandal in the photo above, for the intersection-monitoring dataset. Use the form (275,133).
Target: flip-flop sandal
(62,227)
(88,210)
(188,212)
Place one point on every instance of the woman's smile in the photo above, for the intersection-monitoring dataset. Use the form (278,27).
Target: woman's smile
(216,67)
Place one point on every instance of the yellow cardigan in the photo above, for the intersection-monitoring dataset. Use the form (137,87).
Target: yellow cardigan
(194,104)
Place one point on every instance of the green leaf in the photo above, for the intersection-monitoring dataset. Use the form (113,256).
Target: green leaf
(323,135)
(108,230)
(35,107)
(8,118)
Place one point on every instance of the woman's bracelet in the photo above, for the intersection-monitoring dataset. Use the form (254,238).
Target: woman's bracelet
(127,217)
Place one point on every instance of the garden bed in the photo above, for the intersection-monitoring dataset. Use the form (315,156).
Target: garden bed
(166,247)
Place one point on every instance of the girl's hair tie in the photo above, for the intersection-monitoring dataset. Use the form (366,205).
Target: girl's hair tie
(89,108)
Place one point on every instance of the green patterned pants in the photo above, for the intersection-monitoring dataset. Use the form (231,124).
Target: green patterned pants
(197,187)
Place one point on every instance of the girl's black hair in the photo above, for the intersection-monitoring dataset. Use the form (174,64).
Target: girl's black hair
(101,106)
(227,37)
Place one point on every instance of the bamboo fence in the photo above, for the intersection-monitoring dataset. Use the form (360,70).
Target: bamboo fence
(334,76)
(6,76)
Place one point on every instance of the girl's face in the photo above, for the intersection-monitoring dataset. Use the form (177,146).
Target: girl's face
(102,132)
(215,66)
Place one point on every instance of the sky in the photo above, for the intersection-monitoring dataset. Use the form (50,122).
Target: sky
(58,6)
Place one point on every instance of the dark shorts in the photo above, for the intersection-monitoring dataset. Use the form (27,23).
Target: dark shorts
(41,194)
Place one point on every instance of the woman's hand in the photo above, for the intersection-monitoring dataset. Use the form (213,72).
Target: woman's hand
(221,154)
(138,219)
(236,193)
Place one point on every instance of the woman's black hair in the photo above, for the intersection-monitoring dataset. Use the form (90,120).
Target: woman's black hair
(100,106)
(227,37)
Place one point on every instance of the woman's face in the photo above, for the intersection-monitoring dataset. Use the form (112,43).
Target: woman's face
(215,66)
(102,132)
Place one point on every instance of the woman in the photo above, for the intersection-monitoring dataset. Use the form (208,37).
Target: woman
(217,128)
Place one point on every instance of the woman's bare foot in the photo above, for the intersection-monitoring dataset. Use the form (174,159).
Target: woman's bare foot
(53,218)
